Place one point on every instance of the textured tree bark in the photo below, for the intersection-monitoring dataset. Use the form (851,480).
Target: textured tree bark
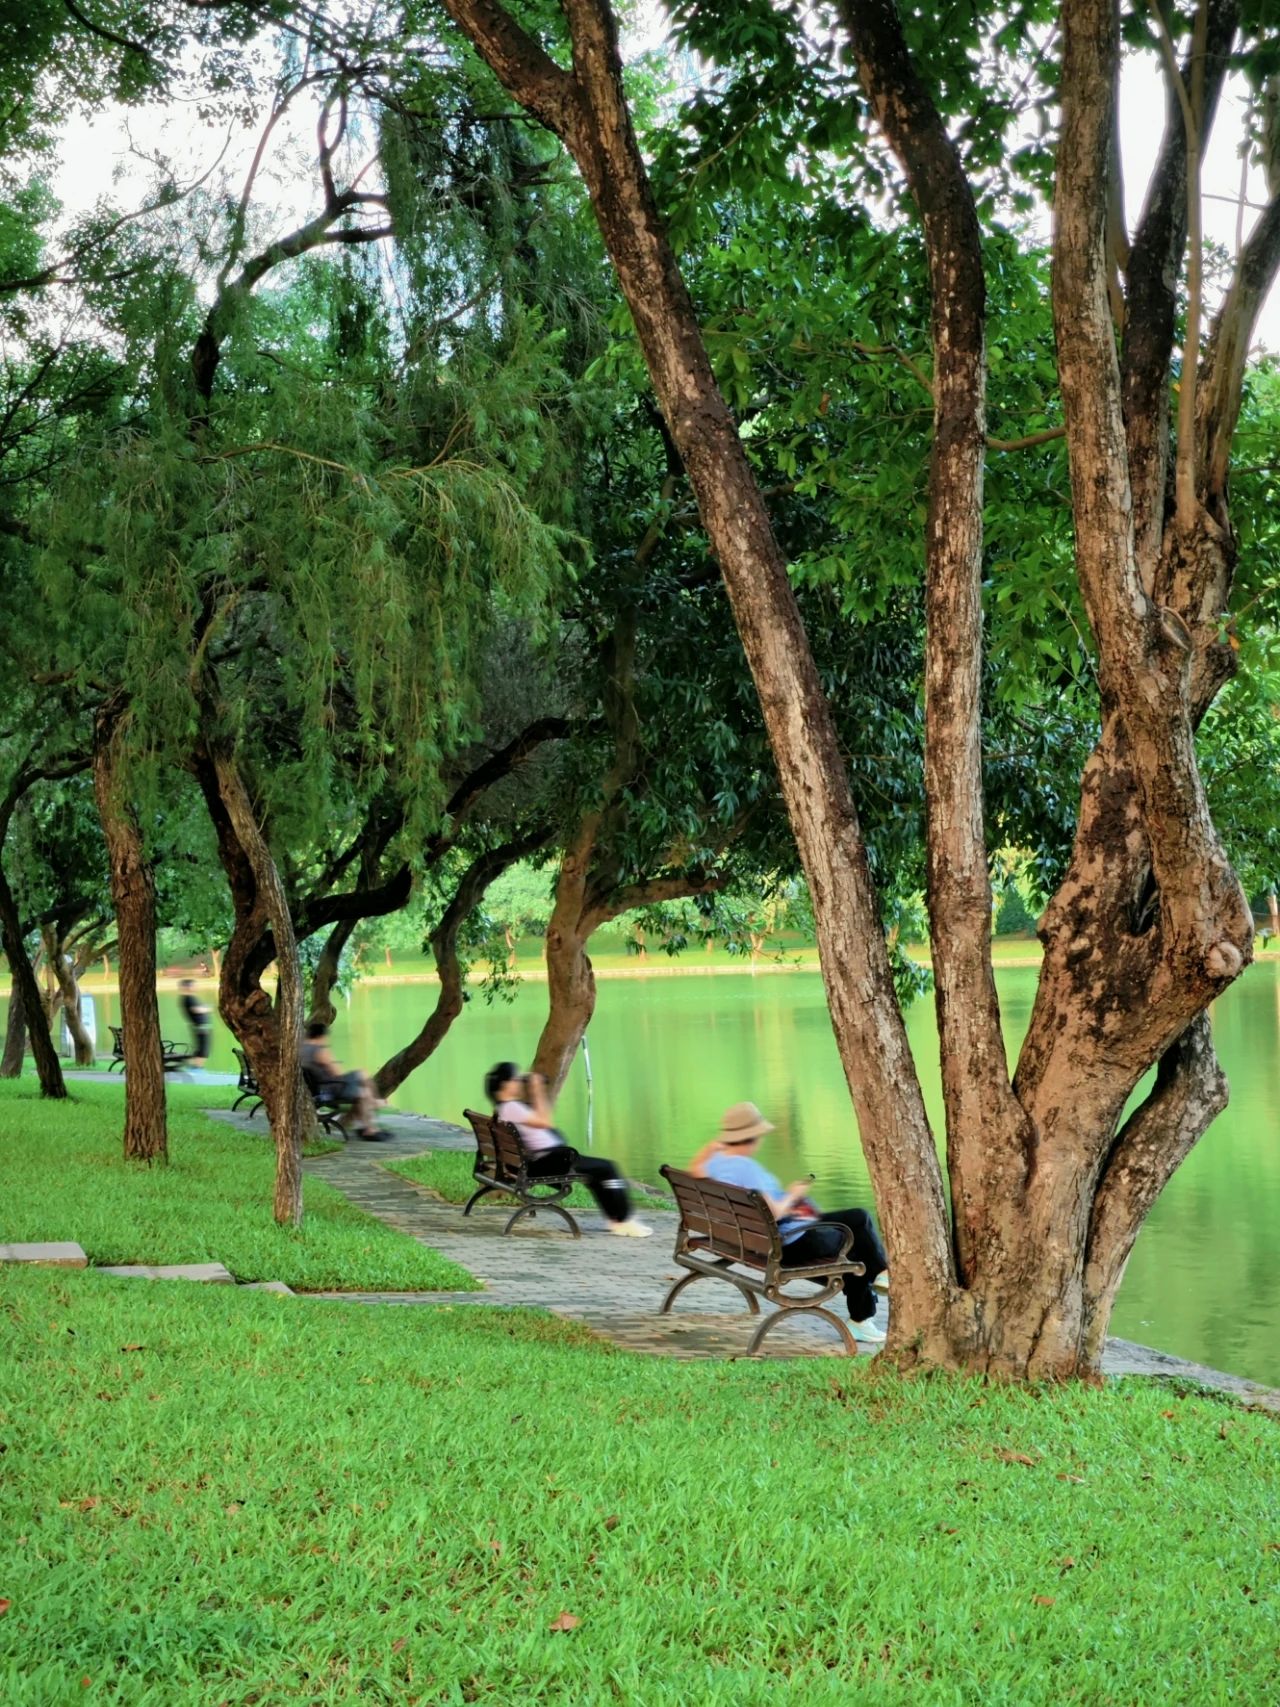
(588,110)
(269,1035)
(69,991)
(133,896)
(1150,922)
(987,1129)
(22,976)
(15,1034)
(23,980)
(482,871)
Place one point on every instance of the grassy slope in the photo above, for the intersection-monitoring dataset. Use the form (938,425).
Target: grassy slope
(220,1497)
(62,1176)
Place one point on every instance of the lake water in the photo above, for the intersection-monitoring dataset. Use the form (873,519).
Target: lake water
(668,1054)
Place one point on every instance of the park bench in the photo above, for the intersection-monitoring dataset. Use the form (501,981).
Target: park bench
(729,1233)
(246,1085)
(503,1166)
(328,1114)
(173,1054)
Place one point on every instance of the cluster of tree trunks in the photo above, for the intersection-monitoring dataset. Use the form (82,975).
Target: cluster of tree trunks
(1048,1189)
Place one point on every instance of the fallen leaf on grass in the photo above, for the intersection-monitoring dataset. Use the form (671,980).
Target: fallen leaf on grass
(1064,1477)
(400,1642)
(1067,1564)
(133,1348)
(566,1621)
(1003,1453)
(4,1607)
(1043,1599)
(612,1521)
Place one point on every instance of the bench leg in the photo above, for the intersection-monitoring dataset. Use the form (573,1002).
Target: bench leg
(533,1208)
(851,1345)
(475,1197)
(753,1306)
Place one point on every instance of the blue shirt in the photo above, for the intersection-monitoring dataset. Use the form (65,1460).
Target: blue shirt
(747,1172)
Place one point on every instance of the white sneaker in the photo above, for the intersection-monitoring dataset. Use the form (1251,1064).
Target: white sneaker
(867,1332)
(631,1229)
(879,1284)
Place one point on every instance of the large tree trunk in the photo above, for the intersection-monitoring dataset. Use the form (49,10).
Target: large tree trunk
(571,991)
(15,1034)
(270,1035)
(64,971)
(483,871)
(588,110)
(1150,923)
(23,980)
(133,896)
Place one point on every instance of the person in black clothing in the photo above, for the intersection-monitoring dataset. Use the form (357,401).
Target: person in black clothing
(199,1018)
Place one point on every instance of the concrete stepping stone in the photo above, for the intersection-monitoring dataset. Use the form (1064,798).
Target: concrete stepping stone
(58,1253)
(208,1271)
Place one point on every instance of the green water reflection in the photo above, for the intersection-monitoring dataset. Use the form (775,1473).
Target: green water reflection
(669,1053)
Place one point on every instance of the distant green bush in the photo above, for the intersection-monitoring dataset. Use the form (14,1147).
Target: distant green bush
(1013,916)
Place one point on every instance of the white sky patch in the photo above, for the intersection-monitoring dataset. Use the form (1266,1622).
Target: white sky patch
(105,158)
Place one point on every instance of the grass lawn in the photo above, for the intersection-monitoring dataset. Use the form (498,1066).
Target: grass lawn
(62,1176)
(447,1173)
(219,1497)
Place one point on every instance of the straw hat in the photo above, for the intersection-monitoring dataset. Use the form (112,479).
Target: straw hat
(741,1123)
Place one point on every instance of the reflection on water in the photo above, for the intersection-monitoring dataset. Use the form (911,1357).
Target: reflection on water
(670,1053)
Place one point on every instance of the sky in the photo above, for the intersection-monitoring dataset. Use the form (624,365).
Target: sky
(97,158)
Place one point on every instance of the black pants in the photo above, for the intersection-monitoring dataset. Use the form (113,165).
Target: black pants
(598,1175)
(823,1240)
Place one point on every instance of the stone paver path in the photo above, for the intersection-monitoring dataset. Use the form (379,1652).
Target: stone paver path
(611,1285)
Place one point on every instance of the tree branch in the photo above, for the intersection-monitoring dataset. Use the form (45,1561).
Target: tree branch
(1218,394)
(522,65)
(1151,295)
(1190,1091)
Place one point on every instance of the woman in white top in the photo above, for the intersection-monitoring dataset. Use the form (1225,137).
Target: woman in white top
(521,1099)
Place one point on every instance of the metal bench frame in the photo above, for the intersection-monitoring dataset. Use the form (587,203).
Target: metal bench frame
(327,1113)
(502,1165)
(246,1085)
(726,1230)
(173,1055)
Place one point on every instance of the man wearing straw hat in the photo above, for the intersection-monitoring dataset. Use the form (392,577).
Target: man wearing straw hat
(808,1234)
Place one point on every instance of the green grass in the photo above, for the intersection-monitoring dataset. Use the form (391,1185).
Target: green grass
(447,1174)
(218,1497)
(62,1176)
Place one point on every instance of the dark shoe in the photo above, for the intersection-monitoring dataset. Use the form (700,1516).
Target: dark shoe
(375,1136)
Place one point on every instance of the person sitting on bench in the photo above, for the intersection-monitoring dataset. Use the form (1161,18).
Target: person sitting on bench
(199,1018)
(521,1099)
(353,1090)
(808,1233)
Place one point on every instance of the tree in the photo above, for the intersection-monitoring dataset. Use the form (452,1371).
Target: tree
(1048,1188)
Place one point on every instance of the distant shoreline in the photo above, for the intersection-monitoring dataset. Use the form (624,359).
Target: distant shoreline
(655,968)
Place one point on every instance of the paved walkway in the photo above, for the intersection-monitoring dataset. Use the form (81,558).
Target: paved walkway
(613,1286)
